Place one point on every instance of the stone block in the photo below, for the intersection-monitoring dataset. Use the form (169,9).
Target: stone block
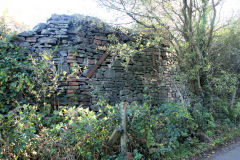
(38,28)
(59,60)
(101,37)
(71,58)
(71,79)
(99,75)
(25,44)
(47,40)
(85,72)
(63,53)
(27,33)
(96,41)
(45,32)
(91,61)
(95,108)
(58,21)
(60,32)
(80,60)
(31,39)
(65,68)
(109,73)
(124,92)
(71,61)
(61,36)
(70,94)
(64,41)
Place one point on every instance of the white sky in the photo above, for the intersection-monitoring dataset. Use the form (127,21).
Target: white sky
(32,12)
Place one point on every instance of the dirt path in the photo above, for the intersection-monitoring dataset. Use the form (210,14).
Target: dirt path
(230,152)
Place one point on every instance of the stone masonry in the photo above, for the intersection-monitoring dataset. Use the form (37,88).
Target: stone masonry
(78,44)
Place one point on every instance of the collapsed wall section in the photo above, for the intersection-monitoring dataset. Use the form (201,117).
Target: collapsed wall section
(78,47)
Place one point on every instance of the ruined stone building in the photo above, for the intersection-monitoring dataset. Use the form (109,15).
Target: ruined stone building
(81,41)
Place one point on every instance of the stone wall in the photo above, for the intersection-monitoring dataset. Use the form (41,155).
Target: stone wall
(80,41)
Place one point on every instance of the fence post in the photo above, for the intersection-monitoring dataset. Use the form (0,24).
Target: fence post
(124,130)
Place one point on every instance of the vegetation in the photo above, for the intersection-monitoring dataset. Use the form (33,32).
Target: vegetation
(189,28)
(32,126)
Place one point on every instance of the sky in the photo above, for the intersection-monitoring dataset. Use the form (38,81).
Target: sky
(32,12)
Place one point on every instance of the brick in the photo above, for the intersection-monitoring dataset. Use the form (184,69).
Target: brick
(69,91)
(74,83)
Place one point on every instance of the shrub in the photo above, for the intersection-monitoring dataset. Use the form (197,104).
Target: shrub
(162,128)
(24,79)
(67,133)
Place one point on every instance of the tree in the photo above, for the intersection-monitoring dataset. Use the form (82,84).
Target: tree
(188,26)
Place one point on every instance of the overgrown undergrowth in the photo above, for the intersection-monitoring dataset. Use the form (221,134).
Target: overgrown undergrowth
(169,131)
(32,127)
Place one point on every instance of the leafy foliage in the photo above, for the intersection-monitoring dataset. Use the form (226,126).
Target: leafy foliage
(25,79)
(32,127)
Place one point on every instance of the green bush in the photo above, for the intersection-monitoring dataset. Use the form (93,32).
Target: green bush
(165,131)
(24,79)
(161,128)
(67,133)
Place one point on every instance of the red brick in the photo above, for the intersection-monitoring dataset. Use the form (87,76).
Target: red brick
(70,91)
(73,83)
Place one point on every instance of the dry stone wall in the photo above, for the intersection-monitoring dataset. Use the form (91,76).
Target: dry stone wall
(81,41)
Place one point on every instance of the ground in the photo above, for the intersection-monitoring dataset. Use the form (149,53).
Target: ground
(228,152)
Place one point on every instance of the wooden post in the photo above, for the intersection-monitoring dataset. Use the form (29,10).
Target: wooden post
(115,135)
(124,130)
